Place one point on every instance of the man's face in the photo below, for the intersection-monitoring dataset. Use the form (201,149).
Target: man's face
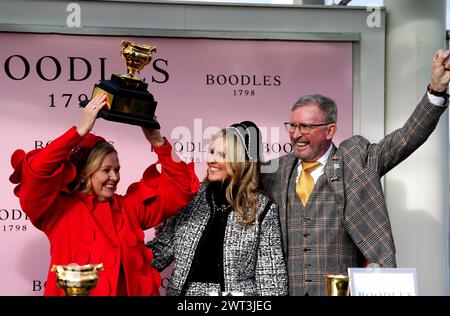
(310,146)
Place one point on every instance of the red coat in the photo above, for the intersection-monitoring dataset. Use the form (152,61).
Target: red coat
(83,231)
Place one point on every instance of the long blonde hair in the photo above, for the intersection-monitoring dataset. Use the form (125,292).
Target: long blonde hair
(93,163)
(244,177)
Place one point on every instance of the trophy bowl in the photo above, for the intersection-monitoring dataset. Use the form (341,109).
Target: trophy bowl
(77,280)
(337,285)
(136,56)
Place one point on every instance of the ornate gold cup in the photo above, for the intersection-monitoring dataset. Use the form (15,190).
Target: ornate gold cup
(136,56)
(337,285)
(77,280)
(129,101)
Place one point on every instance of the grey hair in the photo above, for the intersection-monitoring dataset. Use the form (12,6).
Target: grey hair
(325,104)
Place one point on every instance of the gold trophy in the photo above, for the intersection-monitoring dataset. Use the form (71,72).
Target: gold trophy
(129,101)
(77,280)
(337,285)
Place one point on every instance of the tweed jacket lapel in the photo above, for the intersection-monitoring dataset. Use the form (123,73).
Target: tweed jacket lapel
(334,173)
(287,164)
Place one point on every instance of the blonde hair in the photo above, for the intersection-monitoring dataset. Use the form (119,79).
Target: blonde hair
(244,177)
(93,163)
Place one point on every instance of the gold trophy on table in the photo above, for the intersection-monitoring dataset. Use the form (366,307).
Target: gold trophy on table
(129,101)
(77,280)
(337,285)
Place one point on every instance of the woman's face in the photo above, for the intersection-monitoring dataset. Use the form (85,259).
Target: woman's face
(104,181)
(217,167)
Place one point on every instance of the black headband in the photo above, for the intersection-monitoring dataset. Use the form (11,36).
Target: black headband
(250,136)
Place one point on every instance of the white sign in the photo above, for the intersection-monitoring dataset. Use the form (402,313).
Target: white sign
(383,282)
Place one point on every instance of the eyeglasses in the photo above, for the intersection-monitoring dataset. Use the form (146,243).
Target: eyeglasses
(304,128)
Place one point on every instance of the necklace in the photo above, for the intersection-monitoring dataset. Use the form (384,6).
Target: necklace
(220,209)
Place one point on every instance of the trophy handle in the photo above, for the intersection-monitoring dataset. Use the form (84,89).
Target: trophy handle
(57,268)
(98,267)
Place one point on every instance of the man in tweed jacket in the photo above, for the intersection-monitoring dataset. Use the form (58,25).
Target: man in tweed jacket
(345,222)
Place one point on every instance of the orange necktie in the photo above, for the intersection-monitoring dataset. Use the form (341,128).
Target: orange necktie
(305,183)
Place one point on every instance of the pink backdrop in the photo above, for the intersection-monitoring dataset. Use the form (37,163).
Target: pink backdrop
(200,85)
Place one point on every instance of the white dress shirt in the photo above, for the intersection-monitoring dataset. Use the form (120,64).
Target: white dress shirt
(316,173)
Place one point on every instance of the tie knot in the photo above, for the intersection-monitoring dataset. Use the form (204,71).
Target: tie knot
(309,166)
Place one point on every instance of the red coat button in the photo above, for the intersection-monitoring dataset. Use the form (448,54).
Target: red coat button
(138,262)
(87,235)
(109,260)
(130,239)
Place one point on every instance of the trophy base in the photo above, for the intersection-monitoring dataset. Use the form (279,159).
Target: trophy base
(78,291)
(128,101)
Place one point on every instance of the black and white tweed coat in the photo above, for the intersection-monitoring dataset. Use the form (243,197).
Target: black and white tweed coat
(253,261)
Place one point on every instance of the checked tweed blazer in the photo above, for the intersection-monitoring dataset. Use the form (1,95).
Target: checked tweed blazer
(353,171)
(253,262)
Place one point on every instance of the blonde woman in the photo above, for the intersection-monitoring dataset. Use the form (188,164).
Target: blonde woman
(228,239)
(68,190)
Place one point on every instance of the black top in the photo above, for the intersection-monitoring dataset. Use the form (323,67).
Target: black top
(208,260)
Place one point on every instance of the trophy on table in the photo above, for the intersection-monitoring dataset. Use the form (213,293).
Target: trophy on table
(337,285)
(128,99)
(77,280)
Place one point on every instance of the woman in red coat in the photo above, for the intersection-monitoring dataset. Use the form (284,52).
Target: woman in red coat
(67,189)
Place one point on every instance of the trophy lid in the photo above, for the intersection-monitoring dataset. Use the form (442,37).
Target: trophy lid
(142,48)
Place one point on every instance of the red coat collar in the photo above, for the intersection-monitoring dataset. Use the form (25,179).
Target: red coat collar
(89,201)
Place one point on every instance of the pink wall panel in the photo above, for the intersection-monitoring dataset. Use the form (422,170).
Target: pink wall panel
(200,85)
